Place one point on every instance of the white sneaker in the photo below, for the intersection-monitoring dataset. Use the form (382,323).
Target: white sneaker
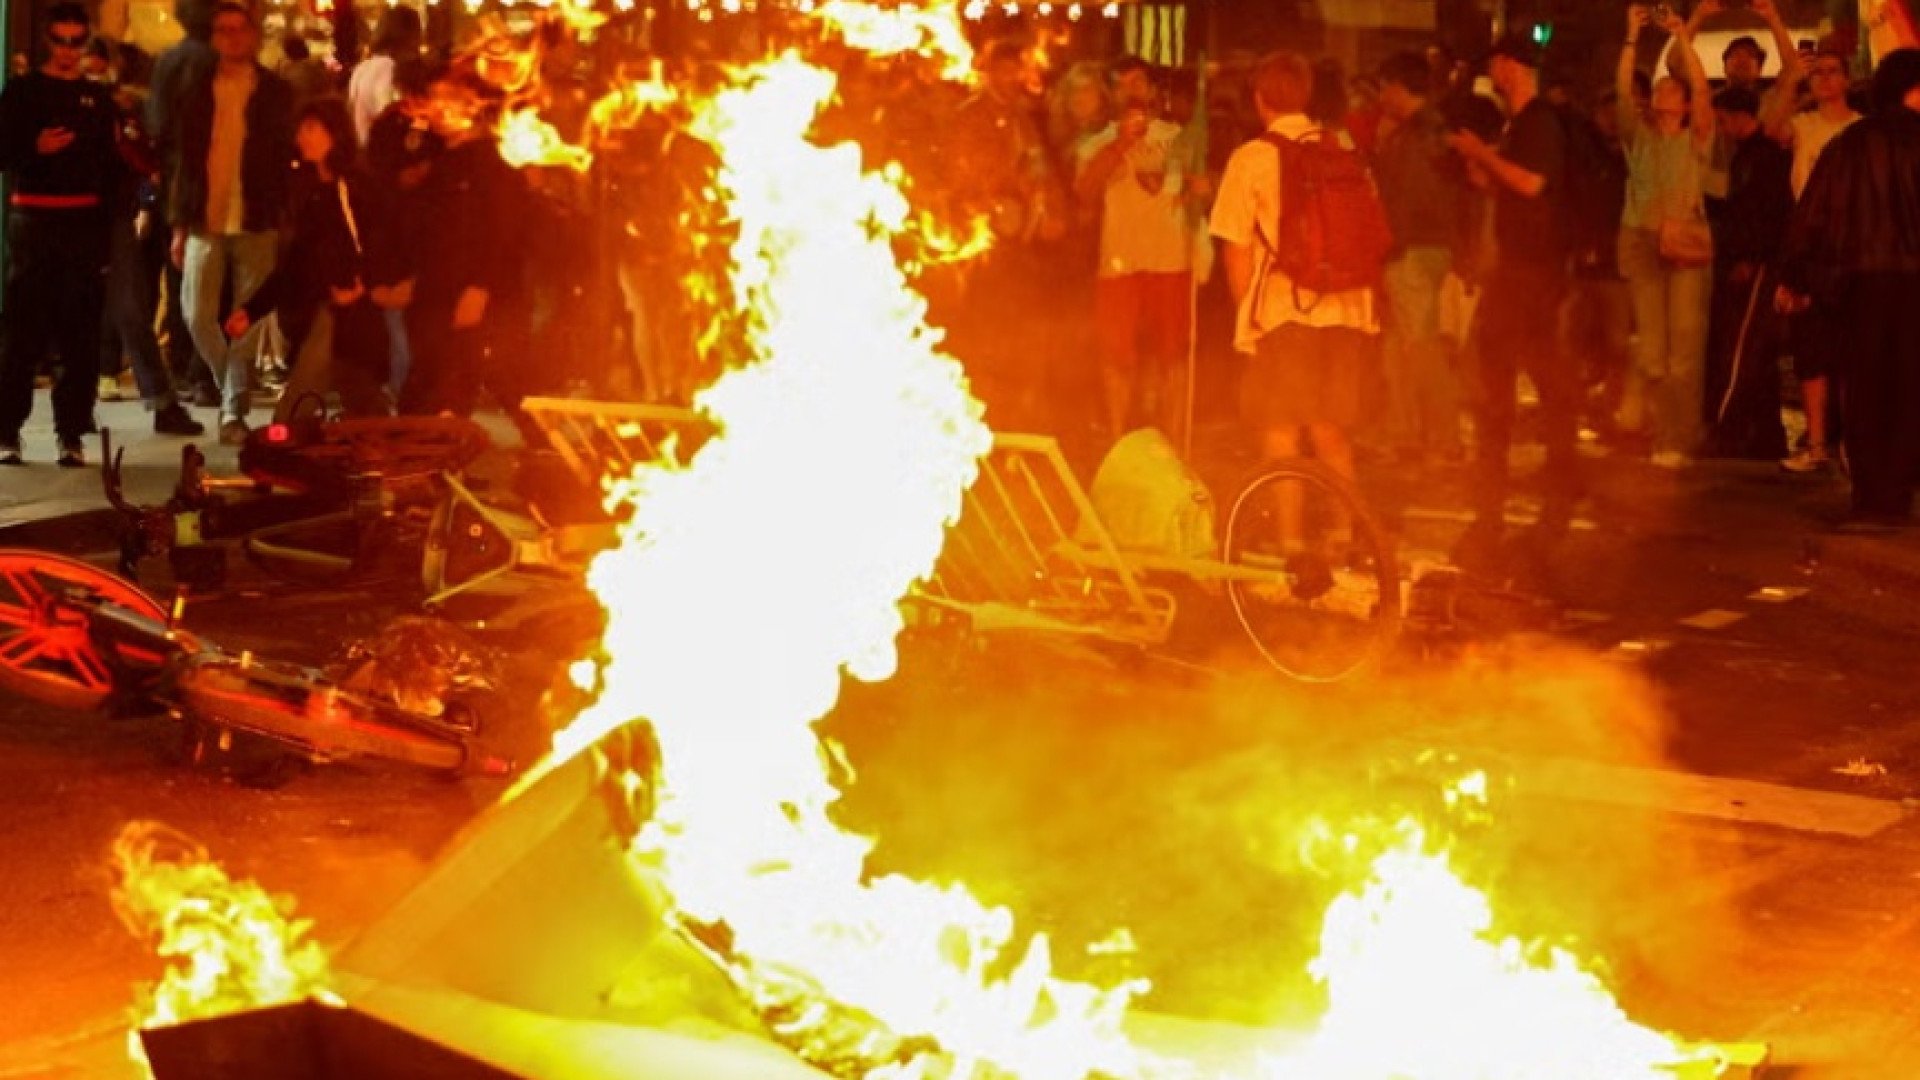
(1807,459)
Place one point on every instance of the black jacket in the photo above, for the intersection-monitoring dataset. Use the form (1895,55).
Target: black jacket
(1421,182)
(471,230)
(265,159)
(1759,202)
(89,166)
(1860,212)
(323,251)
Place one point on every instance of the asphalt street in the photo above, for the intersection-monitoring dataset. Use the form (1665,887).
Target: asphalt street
(1704,765)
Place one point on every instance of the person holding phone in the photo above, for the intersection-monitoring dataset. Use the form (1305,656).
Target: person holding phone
(1142,294)
(57,146)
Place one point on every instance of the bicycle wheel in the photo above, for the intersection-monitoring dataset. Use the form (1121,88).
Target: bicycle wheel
(47,649)
(1312,578)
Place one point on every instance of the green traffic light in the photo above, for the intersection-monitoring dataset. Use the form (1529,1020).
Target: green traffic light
(1542,33)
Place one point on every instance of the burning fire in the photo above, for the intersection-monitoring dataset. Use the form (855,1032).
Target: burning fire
(228,945)
(760,632)
(886,31)
(1420,986)
(526,140)
(747,581)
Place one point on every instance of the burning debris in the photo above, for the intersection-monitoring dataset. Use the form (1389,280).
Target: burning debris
(418,664)
(228,945)
(750,579)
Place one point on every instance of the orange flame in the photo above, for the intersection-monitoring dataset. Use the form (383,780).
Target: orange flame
(229,946)
(934,30)
(527,140)
(748,581)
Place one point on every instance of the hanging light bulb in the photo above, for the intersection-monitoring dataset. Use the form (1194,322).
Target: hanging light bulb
(1073,13)
(1111,11)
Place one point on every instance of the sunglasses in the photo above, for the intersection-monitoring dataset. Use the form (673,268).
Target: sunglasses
(69,41)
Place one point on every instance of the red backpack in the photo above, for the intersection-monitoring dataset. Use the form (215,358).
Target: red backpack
(1334,234)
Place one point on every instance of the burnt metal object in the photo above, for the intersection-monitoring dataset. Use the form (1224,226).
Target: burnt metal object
(175,529)
(307,1040)
(75,636)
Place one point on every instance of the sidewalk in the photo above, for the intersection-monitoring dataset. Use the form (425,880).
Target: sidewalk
(41,489)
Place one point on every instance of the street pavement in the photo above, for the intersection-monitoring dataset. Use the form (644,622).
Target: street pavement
(1705,771)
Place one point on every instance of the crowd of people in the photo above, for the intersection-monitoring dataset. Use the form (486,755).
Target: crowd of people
(1645,253)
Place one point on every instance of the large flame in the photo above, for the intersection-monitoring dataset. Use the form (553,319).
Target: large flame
(885,31)
(228,945)
(747,582)
(782,552)
(1421,985)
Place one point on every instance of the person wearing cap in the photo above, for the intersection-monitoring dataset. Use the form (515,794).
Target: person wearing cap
(1518,315)
(1816,331)
(1853,227)
(57,149)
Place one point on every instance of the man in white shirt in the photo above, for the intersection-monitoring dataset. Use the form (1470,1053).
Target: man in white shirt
(1816,334)
(1309,352)
(370,90)
(228,194)
(1144,286)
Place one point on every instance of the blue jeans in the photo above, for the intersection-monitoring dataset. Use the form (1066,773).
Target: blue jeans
(1670,305)
(1423,404)
(133,295)
(249,258)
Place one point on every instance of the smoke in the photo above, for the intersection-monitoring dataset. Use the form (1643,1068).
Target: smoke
(1216,819)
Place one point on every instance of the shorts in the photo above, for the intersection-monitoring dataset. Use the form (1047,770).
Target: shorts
(1303,374)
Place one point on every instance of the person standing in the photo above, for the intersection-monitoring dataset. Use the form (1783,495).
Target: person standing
(1307,351)
(57,147)
(228,194)
(1420,185)
(469,302)
(1665,243)
(1853,226)
(396,40)
(1743,376)
(322,290)
(176,72)
(1816,328)
(1519,312)
(1144,285)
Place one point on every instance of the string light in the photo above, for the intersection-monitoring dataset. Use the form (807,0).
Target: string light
(1073,13)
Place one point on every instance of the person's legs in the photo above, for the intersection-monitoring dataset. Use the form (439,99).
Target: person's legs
(1436,412)
(305,395)
(1679,418)
(29,286)
(203,277)
(80,303)
(1401,280)
(1116,314)
(1562,390)
(1500,340)
(131,307)
(1168,309)
(251,256)
(1874,414)
(361,352)
(1647,290)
